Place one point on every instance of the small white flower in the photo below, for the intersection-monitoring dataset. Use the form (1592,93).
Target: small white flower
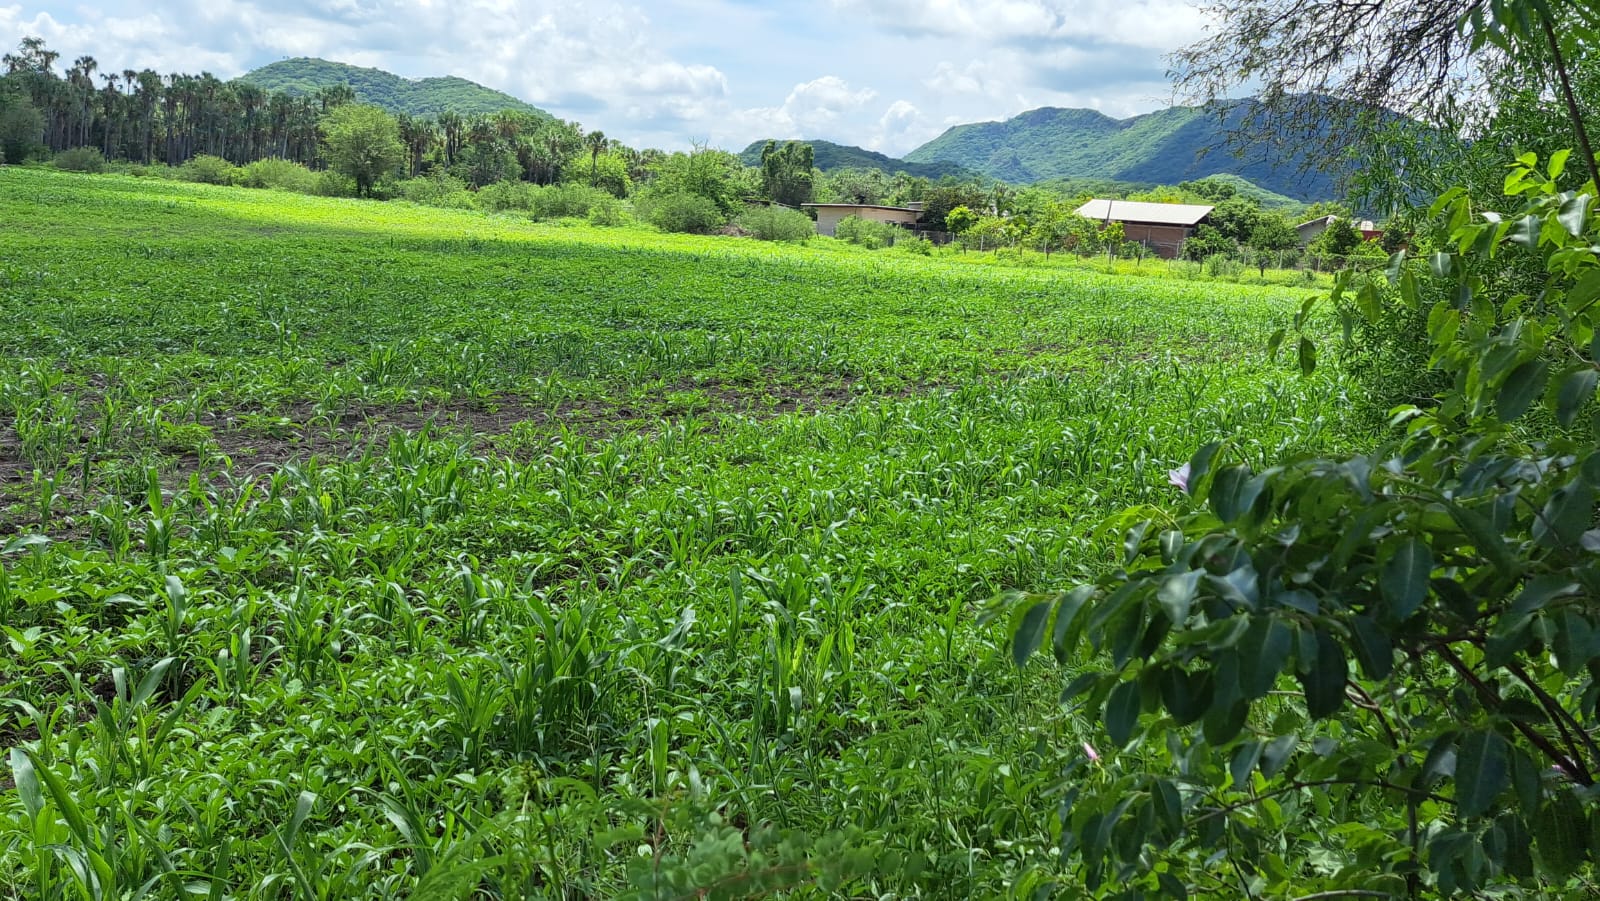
(1179,478)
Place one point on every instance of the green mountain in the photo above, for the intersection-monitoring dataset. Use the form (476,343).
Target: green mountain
(1181,143)
(421,97)
(1107,187)
(829,156)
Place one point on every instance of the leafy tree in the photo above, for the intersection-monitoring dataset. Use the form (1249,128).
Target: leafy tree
(1337,240)
(714,175)
(1383,667)
(787,172)
(852,186)
(958,220)
(596,142)
(1272,236)
(1213,190)
(1236,218)
(21,124)
(363,144)
(1207,241)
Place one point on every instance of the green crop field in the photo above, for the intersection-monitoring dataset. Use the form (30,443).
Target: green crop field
(360,550)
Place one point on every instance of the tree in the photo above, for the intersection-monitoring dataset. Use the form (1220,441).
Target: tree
(959,219)
(363,142)
(1207,241)
(21,125)
(1312,62)
(787,172)
(1236,218)
(1272,236)
(1384,664)
(1337,240)
(596,141)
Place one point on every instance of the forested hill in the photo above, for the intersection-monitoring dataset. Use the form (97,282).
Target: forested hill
(1181,143)
(829,156)
(422,97)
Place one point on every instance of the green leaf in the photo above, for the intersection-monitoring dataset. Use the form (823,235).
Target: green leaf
(1324,678)
(1521,387)
(1275,342)
(1404,578)
(1176,594)
(1122,712)
(1574,213)
(1027,632)
(1565,516)
(1264,651)
(1577,389)
(1233,492)
(1070,616)
(1561,834)
(1373,649)
(1482,771)
(27,782)
(1308,356)
(1277,753)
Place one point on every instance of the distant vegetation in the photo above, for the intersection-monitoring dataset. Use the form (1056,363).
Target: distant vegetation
(830,157)
(1164,147)
(422,97)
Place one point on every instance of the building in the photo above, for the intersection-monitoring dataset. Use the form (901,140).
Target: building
(1162,227)
(1310,230)
(829,215)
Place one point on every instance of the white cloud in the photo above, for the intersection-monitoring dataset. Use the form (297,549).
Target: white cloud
(668,72)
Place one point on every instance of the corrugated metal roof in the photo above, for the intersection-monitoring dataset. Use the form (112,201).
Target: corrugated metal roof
(1151,213)
(859,206)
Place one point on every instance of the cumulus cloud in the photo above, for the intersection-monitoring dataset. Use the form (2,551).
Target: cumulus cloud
(669,72)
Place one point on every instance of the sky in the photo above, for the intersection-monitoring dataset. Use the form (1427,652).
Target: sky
(888,75)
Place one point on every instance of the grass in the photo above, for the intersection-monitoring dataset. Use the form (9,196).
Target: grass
(369,551)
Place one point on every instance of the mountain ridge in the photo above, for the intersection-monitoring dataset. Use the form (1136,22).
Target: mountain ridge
(416,97)
(829,156)
(1168,146)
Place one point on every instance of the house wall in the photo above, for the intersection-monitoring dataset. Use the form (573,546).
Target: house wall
(1310,230)
(1165,240)
(828,218)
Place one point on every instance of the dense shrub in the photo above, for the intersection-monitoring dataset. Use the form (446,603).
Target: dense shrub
(568,200)
(439,189)
(335,184)
(776,223)
(681,211)
(209,170)
(81,159)
(867,233)
(507,195)
(278,175)
(607,212)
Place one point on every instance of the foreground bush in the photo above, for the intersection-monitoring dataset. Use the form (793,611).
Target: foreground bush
(681,212)
(776,223)
(278,175)
(80,159)
(438,190)
(867,233)
(208,170)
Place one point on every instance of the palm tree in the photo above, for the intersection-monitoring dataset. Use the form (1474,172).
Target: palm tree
(597,145)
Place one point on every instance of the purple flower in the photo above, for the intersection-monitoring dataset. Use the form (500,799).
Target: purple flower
(1179,478)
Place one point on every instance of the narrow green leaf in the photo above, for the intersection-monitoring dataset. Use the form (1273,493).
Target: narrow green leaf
(1308,356)
(27,782)
(1324,679)
(1264,653)
(1233,492)
(1027,632)
(1176,594)
(1122,712)
(1577,389)
(1521,387)
(1404,578)
(1071,611)
(1561,834)
(1373,649)
(1275,342)
(1482,771)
